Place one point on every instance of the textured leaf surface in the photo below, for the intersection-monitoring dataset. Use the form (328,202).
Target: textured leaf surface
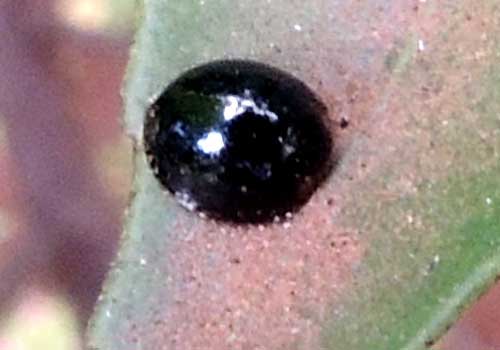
(404,235)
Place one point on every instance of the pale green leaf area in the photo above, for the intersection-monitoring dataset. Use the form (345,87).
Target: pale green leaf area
(417,184)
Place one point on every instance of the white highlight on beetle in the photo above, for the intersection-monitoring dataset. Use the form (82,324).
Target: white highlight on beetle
(235,105)
(211,143)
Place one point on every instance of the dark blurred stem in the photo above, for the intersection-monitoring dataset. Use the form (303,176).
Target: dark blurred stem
(71,223)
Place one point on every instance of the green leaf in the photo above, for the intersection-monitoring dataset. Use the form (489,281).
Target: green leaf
(403,237)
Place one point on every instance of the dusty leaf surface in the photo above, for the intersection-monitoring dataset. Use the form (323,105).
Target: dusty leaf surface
(403,235)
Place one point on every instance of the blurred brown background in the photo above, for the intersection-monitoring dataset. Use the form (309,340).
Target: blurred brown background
(65,171)
(64,163)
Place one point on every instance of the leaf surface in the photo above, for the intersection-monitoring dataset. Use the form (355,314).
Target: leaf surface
(402,237)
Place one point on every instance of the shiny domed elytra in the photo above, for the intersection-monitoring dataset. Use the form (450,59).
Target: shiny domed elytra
(239,141)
